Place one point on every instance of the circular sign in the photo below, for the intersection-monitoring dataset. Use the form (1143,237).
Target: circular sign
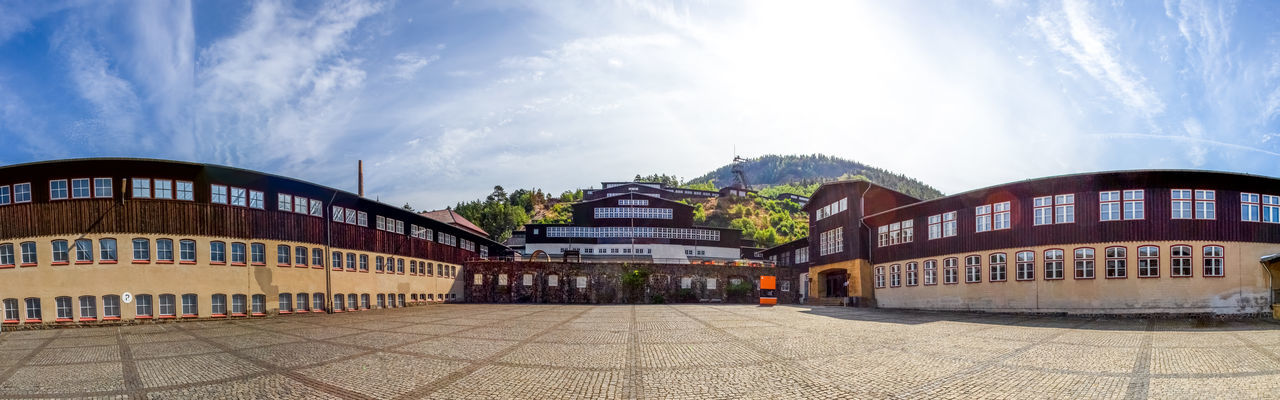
(126,297)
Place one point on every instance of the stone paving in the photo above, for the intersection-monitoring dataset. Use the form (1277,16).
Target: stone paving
(648,351)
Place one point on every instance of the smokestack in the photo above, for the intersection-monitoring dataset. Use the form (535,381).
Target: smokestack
(360,176)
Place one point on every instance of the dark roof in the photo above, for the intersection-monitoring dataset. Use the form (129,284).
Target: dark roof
(450,217)
(1064,176)
(874,185)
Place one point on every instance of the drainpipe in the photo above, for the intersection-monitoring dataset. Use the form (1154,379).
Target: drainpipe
(328,250)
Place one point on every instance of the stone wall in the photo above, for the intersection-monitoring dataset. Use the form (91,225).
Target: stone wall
(603,283)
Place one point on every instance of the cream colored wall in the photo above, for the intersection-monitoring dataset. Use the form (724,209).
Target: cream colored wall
(1244,287)
(860,284)
(204,279)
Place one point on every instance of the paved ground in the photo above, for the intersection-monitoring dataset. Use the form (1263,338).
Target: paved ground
(654,351)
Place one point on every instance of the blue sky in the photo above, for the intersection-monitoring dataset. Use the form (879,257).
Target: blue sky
(443,100)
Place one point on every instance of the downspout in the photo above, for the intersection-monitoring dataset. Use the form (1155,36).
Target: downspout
(1271,289)
(862,212)
(328,251)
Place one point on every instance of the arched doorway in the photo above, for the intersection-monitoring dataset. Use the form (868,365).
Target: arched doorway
(540,253)
(833,283)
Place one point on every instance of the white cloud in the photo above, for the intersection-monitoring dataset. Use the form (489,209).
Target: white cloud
(408,64)
(1075,32)
(116,111)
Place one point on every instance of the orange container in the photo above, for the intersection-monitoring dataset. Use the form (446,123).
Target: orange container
(768,290)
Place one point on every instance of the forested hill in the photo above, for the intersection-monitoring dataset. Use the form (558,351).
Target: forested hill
(774,170)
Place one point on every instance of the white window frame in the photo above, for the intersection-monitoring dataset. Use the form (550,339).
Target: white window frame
(218,194)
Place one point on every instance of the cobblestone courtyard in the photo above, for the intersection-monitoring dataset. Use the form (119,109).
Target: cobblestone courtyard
(651,351)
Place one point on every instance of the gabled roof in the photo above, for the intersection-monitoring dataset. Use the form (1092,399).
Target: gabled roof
(872,185)
(450,217)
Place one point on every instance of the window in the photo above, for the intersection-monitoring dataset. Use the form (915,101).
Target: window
(351,261)
(259,305)
(1002,216)
(164,250)
(187,251)
(63,305)
(337,260)
(4,195)
(190,305)
(913,271)
(89,308)
(337,214)
(831,209)
(972,269)
(997,267)
(141,250)
(1205,204)
(141,188)
(1084,263)
(58,189)
(364,301)
(1271,209)
(1042,210)
(338,300)
(10,310)
(378,264)
(284,202)
(895,275)
(22,193)
(382,300)
(300,257)
(300,204)
(217,252)
(1117,262)
(950,270)
(1180,261)
(351,217)
(6,255)
(102,187)
(185,191)
(33,309)
(879,277)
(382,223)
(353,303)
(106,250)
(167,305)
(286,303)
(238,197)
(258,253)
(302,303)
(142,307)
(897,232)
(931,272)
(317,302)
(28,253)
(59,252)
(1109,207)
(81,188)
(317,258)
(256,200)
(1250,207)
(237,305)
(317,208)
(362,218)
(831,242)
(164,189)
(1213,261)
(982,217)
(401,295)
(218,194)
(1064,209)
(1025,266)
(400,266)
(282,254)
(84,251)
(237,254)
(218,305)
(1053,264)
(1148,262)
(1181,203)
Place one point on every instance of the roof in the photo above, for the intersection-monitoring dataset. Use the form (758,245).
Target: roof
(854,182)
(450,217)
(1063,176)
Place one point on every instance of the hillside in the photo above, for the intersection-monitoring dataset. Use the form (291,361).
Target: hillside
(768,222)
(804,170)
